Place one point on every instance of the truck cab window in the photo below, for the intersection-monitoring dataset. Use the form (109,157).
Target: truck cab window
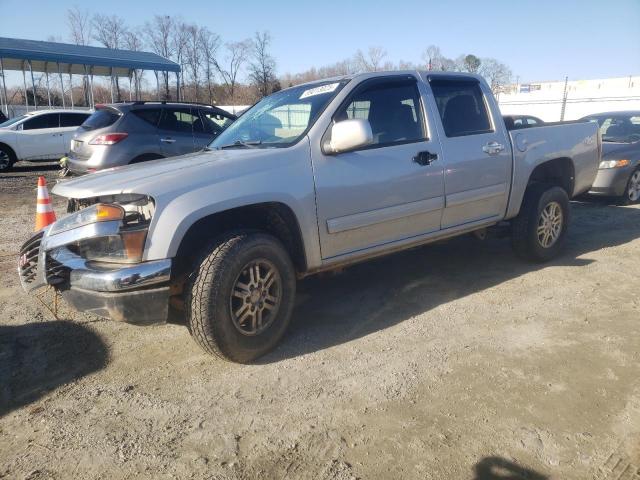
(392,109)
(462,107)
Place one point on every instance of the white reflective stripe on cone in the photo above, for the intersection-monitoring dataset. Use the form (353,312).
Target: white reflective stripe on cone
(43,192)
(44,208)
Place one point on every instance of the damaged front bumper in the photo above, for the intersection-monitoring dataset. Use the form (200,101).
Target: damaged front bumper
(132,293)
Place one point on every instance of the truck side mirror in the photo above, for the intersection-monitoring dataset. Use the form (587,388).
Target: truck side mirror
(349,135)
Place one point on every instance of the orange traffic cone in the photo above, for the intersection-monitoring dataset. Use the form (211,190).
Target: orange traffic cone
(44,211)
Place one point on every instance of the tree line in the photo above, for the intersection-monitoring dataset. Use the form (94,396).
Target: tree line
(235,72)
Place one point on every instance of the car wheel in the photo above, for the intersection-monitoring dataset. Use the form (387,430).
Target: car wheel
(6,159)
(240,296)
(631,194)
(539,231)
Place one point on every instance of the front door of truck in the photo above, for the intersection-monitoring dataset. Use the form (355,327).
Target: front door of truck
(388,191)
(477,153)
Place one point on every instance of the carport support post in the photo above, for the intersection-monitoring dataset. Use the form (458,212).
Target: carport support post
(111,83)
(129,84)
(33,85)
(46,74)
(155,72)
(61,86)
(71,87)
(177,86)
(4,89)
(24,82)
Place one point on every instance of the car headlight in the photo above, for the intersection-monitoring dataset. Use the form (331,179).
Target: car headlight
(93,214)
(613,164)
(122,240)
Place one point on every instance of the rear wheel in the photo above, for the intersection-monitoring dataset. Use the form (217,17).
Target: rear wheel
(240,297)
(7,158)
(539,232)
(631,194)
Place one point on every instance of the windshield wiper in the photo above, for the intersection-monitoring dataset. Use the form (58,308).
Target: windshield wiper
(239,143)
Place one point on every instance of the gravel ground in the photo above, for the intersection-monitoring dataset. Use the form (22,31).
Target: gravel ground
(453,361)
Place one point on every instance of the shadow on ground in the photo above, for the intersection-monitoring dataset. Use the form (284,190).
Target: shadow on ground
(379,294)
(497,468)
(38,357)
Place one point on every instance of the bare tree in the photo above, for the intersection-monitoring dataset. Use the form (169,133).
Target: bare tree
(159,34)
(372,60)
(80,25)
(194,56)
(110,31)
(210,43)
(133,41)
(262,68)
(80,32)
(179,39)
(235,59)
(497,74)
(432,57)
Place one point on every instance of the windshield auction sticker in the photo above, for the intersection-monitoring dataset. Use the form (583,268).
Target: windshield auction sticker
(319,90)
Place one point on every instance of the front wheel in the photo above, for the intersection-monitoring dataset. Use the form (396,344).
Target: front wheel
(631,194)
(7,159)
(240,297)
(539,231)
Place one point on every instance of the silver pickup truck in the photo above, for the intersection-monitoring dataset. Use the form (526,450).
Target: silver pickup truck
(311,178)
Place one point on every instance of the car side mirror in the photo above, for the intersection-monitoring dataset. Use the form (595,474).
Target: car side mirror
(18,127)
(350,134)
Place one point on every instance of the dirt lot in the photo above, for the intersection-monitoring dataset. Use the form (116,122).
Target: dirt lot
(454,361)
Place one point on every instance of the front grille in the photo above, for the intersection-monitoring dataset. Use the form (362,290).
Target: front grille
(28,260)
(55,272)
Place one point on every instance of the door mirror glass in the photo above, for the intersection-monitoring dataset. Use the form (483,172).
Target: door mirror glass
(350,134)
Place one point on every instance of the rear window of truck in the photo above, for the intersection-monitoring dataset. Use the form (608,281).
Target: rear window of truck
(462,107)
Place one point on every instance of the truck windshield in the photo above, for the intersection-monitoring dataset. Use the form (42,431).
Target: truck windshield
(280,119)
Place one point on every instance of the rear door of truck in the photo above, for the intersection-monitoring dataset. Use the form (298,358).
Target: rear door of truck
(476,149)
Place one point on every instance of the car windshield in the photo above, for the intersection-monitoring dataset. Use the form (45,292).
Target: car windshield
(11,121)
(620,128)
(280,119)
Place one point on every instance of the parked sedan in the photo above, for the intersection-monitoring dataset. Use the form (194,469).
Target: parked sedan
(39,135)
(132,132)
(619,172)
(515,122)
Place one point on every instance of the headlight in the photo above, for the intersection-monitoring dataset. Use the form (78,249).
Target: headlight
(126,247)
(93,214)
(613,164)
(122,240)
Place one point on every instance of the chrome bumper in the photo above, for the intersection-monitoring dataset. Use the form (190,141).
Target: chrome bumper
(137,293)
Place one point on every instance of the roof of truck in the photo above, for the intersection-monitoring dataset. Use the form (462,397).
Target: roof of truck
(425,74)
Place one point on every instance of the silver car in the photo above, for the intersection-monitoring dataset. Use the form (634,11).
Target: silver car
(619,171)
(132,132)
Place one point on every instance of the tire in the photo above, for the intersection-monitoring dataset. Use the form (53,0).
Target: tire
(631,193)
(7,158)
(525,237)
(221,292)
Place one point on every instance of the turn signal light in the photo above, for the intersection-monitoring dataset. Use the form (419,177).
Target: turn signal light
(106,212)
(108,139)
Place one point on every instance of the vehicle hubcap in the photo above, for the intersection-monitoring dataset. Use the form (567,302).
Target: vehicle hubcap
(256,297)
(550,224)
(4,160)
(634,187)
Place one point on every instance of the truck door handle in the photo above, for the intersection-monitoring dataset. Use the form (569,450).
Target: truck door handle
(493,148)
(168,140)
(425,158)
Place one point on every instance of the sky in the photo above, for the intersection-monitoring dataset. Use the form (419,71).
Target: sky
(539,40)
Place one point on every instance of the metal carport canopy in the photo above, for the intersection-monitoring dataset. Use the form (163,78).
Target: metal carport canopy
(46,56)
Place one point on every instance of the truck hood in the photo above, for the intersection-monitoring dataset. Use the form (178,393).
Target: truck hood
(163,176)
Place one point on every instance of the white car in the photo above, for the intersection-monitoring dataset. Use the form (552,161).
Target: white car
(40,135)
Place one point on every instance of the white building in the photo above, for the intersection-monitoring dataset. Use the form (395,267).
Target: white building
(584,97)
